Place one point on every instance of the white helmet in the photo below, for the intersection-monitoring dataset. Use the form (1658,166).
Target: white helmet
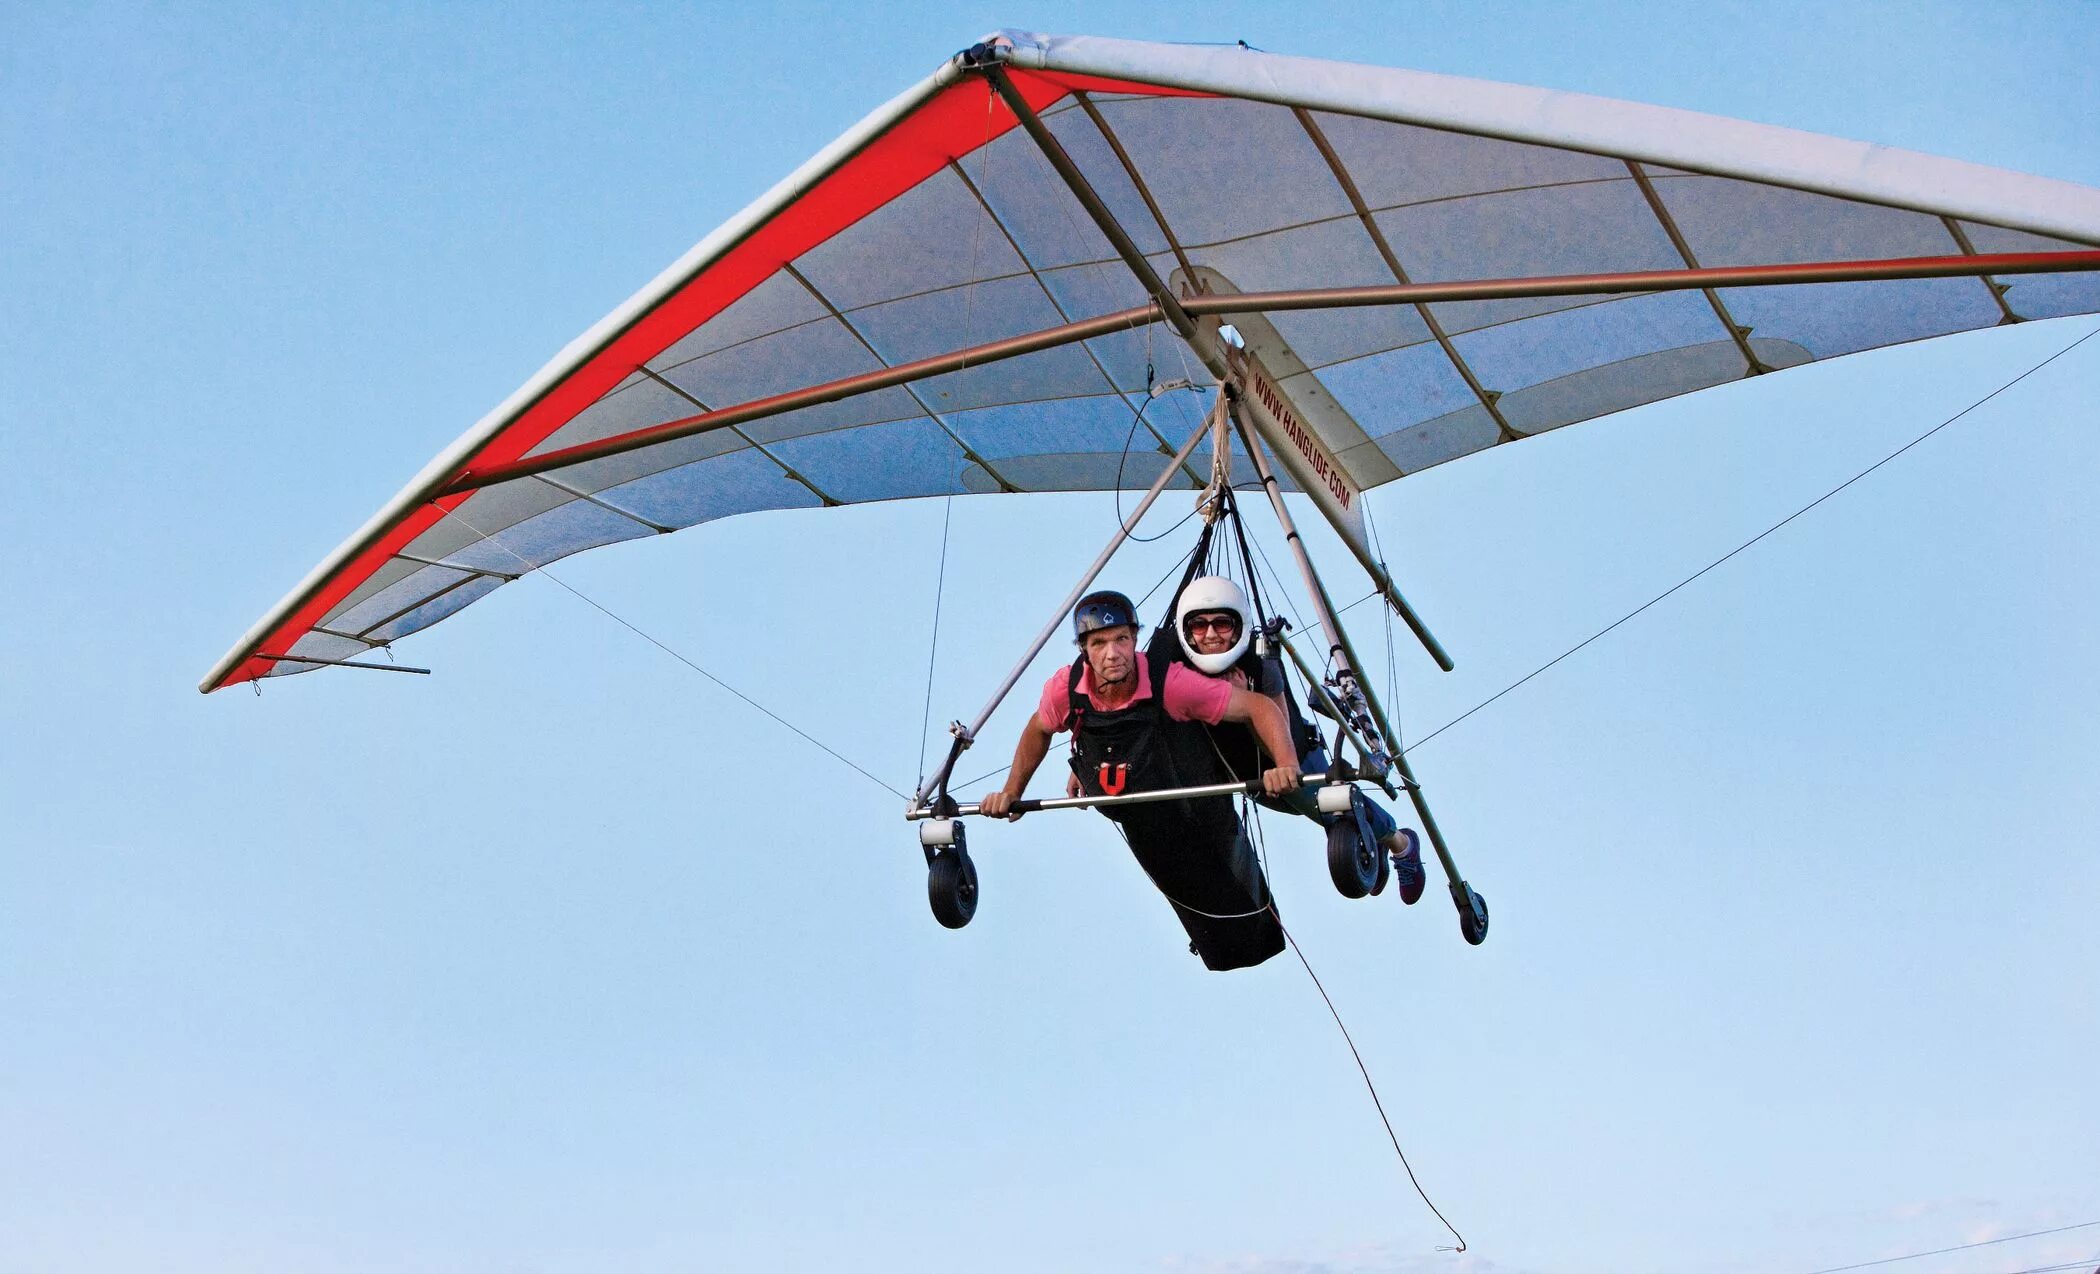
(1210,593)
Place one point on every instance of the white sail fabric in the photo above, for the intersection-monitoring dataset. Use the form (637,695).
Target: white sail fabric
(938,225)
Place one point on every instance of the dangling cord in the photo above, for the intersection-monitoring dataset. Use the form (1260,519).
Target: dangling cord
(933,645)
(1262,843)
(1124,459)
(1372,1089)
(1136,419)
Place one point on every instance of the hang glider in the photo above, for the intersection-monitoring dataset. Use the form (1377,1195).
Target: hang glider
(975,288)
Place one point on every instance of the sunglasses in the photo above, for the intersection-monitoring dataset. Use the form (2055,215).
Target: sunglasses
(1227,624)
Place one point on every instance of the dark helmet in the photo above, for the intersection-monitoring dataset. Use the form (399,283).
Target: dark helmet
(1105,609)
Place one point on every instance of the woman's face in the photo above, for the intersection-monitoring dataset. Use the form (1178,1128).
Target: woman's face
(1212,632)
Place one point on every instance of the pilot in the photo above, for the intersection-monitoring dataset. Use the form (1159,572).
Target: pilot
(1127,706)
(1211,620)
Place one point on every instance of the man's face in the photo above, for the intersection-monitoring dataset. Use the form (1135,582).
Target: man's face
(1212,632)
(1111,654)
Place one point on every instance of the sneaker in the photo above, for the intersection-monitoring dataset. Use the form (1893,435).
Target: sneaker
(1406,849)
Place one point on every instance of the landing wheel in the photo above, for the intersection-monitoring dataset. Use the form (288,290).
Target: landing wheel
(1472,913)
(1355,862)
(951,887)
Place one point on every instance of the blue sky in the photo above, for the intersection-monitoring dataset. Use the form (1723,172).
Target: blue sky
(562,959)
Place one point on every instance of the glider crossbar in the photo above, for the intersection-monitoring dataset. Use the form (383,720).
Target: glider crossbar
(1251,787)
(968,734)
(474,478)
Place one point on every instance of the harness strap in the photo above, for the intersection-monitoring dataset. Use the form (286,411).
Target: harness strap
(1156,665)
(1075,702)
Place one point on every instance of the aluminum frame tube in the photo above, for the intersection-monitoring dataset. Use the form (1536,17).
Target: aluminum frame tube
(338,663)
(1083,190)
(1064,609)
(1727,276)
(1250,788)
(828,392)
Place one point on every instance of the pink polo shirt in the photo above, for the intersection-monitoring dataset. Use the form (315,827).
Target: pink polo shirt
(1190,696)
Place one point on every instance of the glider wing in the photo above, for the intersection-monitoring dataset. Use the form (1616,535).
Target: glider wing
(934,306)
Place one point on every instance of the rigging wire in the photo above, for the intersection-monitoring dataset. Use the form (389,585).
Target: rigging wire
(1277,591)
(1746,543)
(2090,1263)
(1173,568)
(969,783)
(1392,671)
(577,593)
(1963,1247)
(933,645)
(933,641)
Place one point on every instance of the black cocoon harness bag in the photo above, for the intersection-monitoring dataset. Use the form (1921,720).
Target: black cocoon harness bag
(1195,849)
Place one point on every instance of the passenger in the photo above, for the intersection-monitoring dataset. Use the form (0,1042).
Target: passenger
(1213,621)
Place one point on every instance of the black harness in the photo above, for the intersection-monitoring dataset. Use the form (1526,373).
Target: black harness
(1139,748)
(1193,848)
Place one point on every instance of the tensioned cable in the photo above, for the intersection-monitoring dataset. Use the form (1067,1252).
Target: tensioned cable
(1177,565)
(1277,591)
(835,754)
(1747,543)
(1392,671)
(2088,1264)
(933,646)
(1963,1247)
(933,643)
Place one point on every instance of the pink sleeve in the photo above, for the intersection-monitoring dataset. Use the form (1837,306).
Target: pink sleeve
(1191,696)
(1054,710)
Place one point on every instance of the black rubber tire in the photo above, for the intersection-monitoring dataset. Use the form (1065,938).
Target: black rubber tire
(1473,921)
(1352,863)
(951,887)
(1385,871)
